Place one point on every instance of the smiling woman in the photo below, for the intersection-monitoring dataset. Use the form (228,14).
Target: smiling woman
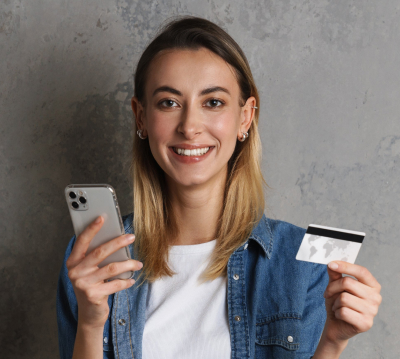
(214,277)
(195,111)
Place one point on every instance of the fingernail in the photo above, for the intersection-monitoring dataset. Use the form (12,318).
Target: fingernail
(131,281)
(98,219)
(130,238)
(333,265)
(140,265)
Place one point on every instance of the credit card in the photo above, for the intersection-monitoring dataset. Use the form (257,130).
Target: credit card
(323,244)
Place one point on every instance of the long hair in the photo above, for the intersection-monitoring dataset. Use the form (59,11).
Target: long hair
(243,202)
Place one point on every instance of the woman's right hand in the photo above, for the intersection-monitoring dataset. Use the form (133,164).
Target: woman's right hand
(88,280)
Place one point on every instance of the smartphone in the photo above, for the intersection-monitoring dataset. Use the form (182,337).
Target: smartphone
(88,201)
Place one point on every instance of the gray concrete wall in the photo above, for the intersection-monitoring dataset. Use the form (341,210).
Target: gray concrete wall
(328,73)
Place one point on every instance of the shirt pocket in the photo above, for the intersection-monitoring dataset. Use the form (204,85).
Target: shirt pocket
(278,337)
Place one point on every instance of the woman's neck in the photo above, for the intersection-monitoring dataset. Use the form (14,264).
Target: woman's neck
(197,210)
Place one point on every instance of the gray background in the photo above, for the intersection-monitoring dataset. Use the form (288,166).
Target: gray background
(328,74)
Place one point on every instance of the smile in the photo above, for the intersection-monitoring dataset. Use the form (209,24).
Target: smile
(194,152)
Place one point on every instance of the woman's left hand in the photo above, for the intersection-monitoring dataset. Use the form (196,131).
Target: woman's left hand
(351,304)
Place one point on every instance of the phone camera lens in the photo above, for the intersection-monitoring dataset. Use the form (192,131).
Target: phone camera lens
(75,205)
(72,195)
(82,200)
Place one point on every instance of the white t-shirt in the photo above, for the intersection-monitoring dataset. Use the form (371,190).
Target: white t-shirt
(184,317)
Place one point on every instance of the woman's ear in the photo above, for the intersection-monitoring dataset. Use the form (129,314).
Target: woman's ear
(138,111)
(247,115)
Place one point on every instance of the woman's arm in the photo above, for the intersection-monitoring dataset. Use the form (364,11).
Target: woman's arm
(351,305)
(328,349)
(83,293)
(88,343)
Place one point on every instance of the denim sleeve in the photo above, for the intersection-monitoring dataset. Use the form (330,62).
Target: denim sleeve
(67,309)
(314,314)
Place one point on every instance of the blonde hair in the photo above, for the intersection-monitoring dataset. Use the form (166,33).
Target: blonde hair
(243,202)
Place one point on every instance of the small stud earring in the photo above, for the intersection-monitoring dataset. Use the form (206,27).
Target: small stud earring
(140,134)
(245,135)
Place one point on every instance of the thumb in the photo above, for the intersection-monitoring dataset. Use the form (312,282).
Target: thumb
(333,276)
(331,272)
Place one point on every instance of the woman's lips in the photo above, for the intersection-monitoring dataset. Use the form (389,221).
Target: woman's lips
(191,154)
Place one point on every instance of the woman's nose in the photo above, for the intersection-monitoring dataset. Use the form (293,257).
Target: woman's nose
(191,122)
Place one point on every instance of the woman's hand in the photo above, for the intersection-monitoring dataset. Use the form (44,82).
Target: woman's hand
(351,305)
(88,280)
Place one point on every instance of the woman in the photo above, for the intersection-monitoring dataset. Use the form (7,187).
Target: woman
(218,279)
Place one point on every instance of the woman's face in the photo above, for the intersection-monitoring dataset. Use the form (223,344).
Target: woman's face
(192,115)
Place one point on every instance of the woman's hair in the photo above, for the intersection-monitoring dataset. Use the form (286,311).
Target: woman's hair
(243,202)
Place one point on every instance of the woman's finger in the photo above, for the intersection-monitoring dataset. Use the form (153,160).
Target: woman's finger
(333,275)
(82,242)
(97,294)
(97,255)
(359,321)
(112,270)
(362,274)
(347,284)
(114,286)
(357,304)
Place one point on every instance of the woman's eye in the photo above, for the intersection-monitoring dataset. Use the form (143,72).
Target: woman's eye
(213,103)
(168,103)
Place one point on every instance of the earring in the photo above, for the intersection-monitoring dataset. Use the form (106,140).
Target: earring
(254,107)
(140,134)
(245,135)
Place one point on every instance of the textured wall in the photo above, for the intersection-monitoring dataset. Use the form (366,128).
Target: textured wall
(328,73)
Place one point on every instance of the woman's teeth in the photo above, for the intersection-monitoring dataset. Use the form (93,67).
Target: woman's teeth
(195,152)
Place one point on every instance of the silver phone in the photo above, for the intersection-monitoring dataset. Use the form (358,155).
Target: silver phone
(88,201)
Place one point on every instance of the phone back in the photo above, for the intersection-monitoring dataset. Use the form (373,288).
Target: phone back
(85,204)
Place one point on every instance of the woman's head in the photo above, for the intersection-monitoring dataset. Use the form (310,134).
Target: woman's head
(193,116)
(189,56)
(194,87)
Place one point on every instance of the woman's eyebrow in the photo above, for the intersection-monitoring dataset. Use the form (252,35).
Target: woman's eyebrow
(214,89)
(206,91)
(167,89)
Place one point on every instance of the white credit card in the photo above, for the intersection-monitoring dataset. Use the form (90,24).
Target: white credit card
(326,244)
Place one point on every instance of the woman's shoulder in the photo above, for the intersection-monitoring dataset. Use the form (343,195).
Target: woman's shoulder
(278,224)
(275,233)
(283,240)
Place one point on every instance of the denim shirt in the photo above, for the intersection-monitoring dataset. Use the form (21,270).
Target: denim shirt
(276,307)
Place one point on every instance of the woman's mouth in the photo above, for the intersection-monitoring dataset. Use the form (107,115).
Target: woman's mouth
(194,152)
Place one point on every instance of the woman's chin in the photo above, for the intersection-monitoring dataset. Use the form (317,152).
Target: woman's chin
(190,180)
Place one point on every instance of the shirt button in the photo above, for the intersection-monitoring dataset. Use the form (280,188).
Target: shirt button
(236,276)
(121,321)
(105,340)
(290,339)
(237,318)
(245,246)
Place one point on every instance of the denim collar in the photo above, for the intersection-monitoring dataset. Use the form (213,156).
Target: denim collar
(261,234)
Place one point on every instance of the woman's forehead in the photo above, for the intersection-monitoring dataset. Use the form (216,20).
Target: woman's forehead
(190,70)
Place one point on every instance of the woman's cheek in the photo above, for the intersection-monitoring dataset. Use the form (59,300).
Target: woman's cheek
(161,127)
(225,128)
